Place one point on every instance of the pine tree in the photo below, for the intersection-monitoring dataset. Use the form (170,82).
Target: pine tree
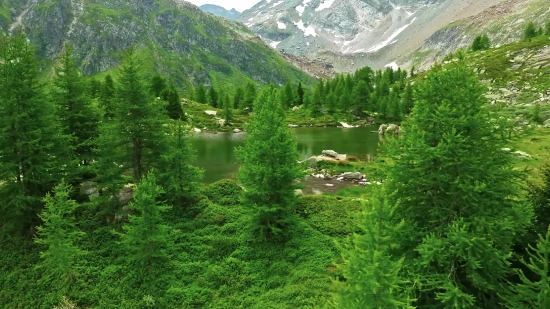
(531,294)
(171,97)
(135,138)
(249,96)
(157,85)
(238,98)
(360,97)
(213,97)
(177,175)
(228,110)
(530,31)
(146,237)
(289,96)
(33,148)
(345,102)
(316,102)
(269,166)
(200,94)
(94,88)
(332,103)
(300,92)
(374,277)
(307,102)
(59,233)
(78,117)
(407,101)
(458,193)
(107,97)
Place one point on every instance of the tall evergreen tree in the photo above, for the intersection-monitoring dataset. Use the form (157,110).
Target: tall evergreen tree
(171,97)
(157,85)
(407,102)
(289,96)
(78,117)
(269,166)
(136,137)
(458,192)
(539,196)
(300,93)
(59,233)
(345,102)
(107,97)
(238,98)
(33,148)
(316,102)
(360,97)
(146,237)
(332,103)
(227,110)
(533,294)
(200,94)
(213,97)
(177,175)
(374,277)
(249,96)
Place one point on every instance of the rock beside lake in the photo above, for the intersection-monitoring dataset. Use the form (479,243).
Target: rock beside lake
(352,176)
(292,126)
(389,129)
(211,113)
(330,153)
(197,130)
(346,126)
(237,131)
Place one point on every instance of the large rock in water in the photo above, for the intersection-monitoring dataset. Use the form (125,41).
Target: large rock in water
(382,129)
(330,153)
(392,129)
(352,176)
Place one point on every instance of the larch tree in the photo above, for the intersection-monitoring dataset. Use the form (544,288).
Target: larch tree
(134,140)
(458,193)
(146,237)
(107,97)
(269,167)
(78,117)
(213,97)
(200,94)
(59,234)
(374,277)
(171,97)
(300,93)
(177,175)
(33,148)
(227,110)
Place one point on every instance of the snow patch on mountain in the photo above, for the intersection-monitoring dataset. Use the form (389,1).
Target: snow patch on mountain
(392,65)
(274,44)
(325,4)
(277,3)
(308,31)
(389,40)
(301,8)
(281,25)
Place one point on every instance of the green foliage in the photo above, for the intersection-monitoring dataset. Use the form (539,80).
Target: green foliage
(547,27)
(530,31)
(157,85)
(135,138)
(146,238)
(374,276)
(107,97)
(228,110)
(481,42)
(213,97)
(300,94)
(179,178)
(200,94)
(174,109)
(78,117)
(535,114)
(66,304)
(33,148)
(225,192)
(269,166)
(533,294)
(458,193)
(539,196)
(59,233)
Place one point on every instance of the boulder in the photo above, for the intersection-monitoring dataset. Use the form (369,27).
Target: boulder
(352,176)
(127,193)
(237,131)
(330,153)
(197,130)
(298,192)
(220,122)
(547,123)
(211,113)
(371,120)
(89,189)
(296,108)
(345,125)
(392,129)
(521,155)
(382,129)
(292,126)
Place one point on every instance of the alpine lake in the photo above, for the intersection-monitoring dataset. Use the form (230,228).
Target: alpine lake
(215,152)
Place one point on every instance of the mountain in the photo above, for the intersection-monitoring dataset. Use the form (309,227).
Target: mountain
(220,11)
(173,37)
(350,34)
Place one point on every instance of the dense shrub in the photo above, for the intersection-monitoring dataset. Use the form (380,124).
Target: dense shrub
(225,192)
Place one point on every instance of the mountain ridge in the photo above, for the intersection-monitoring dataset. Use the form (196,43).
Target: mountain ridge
(174,37)
(220,11)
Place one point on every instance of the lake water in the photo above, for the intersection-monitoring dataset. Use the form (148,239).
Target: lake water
(216,151)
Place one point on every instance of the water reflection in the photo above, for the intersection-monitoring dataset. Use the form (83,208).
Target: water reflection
(216,152)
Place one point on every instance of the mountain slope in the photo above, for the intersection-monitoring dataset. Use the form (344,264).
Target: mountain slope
(220,11)
(172,36)
(351,34)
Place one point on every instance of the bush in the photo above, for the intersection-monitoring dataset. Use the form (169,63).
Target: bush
(481,42)
(226,192)
(328,214)
(530,31)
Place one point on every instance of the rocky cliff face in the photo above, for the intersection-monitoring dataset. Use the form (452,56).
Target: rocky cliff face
(350,34)
(172,36)
(221,12)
